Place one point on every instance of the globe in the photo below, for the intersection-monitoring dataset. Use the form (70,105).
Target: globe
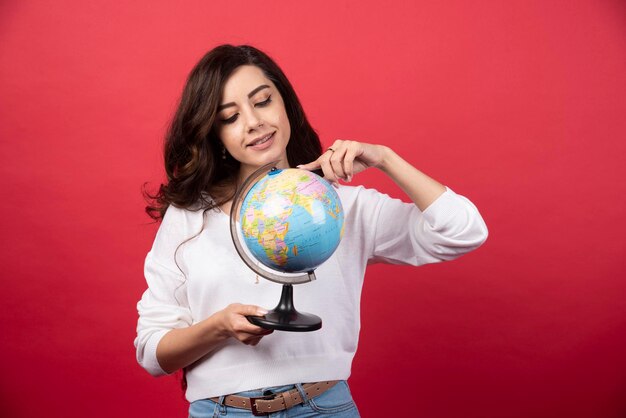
(291,220)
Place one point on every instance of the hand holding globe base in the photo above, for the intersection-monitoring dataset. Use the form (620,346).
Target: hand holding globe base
(285,317)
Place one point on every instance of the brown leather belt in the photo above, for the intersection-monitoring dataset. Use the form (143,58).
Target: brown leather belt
(265,405)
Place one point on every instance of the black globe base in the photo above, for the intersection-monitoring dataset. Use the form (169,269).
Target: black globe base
(285,317)
(295,322)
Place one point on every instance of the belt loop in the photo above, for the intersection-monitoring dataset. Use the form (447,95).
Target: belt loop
(305,399)
(220,405)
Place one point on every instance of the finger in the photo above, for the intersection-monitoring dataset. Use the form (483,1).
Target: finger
(251,310)
(328,171)
(338,150)
(323,164)
(348,163)
(313,165)
(256,331)
(243,329)
(336,162)
(253,341)
(263,331)
(247,336)
(240,322)
(242,326)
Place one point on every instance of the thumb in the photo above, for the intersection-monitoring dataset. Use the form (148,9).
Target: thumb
(252,310)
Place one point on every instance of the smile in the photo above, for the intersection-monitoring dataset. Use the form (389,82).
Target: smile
(260,141)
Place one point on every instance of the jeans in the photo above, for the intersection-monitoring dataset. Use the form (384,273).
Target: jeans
(335,402)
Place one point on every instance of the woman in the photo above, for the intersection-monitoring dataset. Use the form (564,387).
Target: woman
(238,112)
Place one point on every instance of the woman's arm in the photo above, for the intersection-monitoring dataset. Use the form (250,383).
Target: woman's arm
(441,226)
(344,159)
(168,338)
(183,346)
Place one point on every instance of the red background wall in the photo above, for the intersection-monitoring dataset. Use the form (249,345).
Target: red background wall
(518,105)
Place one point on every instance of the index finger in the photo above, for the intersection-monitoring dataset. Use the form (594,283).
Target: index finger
(314,165)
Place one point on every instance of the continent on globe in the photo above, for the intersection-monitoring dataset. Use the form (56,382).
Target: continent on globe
(291,220)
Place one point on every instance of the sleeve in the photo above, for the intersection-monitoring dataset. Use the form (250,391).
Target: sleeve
(164,305)
(450,227)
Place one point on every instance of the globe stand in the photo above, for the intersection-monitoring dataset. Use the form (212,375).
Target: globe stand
(285,317)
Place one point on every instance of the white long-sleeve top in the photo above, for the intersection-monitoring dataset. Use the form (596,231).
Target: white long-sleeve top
(206,274)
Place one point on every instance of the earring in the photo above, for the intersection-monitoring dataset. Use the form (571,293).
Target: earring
(223,153)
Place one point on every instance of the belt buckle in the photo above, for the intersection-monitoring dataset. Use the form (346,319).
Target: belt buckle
(255,411)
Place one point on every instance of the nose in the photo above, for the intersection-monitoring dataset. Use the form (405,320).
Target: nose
(253,119)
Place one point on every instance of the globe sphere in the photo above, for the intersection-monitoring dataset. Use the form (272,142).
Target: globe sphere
(291,220)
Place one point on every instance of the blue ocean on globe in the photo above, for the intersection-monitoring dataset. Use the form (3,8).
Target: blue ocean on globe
(291,220)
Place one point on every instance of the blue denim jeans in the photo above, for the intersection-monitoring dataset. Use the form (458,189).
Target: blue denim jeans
(335,402)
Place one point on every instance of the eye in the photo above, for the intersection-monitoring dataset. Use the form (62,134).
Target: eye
(231,119)
(265,102)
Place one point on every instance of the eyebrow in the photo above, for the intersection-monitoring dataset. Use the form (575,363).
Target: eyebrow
(252,93)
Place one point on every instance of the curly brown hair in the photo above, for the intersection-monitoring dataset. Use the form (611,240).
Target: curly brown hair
(197,176)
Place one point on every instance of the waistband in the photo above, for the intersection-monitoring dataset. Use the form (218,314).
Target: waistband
(265,405)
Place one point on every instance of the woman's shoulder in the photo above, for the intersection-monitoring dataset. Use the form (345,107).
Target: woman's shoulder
(204,205)
(180,220)
(177,214)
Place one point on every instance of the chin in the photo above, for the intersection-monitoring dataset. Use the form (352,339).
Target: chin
(275,156)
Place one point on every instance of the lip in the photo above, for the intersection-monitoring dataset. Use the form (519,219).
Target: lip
(263,145)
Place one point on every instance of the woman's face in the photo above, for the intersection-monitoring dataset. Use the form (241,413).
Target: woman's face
(251,120)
